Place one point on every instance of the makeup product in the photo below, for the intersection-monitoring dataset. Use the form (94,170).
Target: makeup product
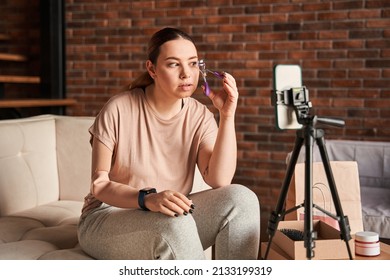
(203,70)
(367,244)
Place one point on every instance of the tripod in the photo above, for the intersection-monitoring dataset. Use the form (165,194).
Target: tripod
(308,135)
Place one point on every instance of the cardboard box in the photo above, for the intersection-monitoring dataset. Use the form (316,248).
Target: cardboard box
(275,253)
(328,245)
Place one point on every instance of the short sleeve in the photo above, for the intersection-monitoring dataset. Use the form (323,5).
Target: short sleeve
(105,126)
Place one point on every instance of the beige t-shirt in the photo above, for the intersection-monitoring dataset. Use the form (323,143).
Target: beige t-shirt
(149,151)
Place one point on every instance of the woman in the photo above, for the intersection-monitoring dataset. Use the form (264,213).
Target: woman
(146,143)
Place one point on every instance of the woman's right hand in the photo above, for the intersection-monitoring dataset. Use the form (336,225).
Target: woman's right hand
(170,203)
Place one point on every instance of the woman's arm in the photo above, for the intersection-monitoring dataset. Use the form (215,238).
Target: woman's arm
(113,193)
(218,163)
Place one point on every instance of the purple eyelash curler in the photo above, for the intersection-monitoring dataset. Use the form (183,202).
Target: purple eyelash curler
(203,70)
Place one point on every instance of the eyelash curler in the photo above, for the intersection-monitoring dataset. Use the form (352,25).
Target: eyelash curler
(203,70)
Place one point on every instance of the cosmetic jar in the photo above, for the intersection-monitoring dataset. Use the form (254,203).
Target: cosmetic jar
(367,244)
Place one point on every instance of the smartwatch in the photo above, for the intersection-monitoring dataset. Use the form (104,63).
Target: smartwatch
(141,197)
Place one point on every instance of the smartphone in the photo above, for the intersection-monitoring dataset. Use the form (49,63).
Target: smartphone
(286,76)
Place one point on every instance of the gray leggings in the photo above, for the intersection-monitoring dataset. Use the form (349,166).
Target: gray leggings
(228,218)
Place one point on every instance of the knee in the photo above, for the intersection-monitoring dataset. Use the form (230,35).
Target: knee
(178,226)
(241,197)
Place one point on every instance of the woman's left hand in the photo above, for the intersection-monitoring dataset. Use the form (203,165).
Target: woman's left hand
(225,100)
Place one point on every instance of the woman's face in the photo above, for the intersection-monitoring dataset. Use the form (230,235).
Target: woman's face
(176,71)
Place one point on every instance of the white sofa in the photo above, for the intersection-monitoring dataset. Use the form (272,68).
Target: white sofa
(45,166)
(373,160)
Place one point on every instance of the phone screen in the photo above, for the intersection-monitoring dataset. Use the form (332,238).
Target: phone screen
(286,77)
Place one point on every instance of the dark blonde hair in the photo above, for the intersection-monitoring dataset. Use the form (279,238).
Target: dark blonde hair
(158,39)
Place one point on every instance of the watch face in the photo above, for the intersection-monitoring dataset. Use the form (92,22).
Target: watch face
(148,190)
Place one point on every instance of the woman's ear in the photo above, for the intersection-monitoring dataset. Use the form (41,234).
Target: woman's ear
(151,69)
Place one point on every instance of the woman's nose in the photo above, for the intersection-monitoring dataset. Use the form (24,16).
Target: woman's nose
(185,73)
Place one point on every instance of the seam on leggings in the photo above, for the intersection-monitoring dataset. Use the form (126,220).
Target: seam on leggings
(170,247)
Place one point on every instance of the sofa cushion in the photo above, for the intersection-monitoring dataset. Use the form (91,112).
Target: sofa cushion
(55,213)
(376,210)
(28,163)
(74,157)
(67,254)
(55,223)
(25,250)
(13,228)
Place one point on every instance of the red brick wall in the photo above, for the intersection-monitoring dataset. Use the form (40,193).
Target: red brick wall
(20,21)
(342,46)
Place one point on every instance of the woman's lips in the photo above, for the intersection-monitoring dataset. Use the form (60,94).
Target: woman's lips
(186,86)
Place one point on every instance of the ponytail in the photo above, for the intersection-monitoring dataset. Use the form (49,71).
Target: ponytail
(141,81)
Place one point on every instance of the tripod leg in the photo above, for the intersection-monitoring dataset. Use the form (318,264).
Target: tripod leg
(309,234)
(343,220)
(278,213)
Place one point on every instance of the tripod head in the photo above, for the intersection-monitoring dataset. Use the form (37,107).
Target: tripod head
(298,98)
(291,100)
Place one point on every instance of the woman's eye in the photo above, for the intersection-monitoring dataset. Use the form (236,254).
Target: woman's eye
(173,64)
(195,63)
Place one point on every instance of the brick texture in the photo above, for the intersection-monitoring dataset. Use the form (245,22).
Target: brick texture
(20,21)
(342,46)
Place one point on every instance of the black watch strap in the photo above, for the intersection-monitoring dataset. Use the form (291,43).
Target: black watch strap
(141,197)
